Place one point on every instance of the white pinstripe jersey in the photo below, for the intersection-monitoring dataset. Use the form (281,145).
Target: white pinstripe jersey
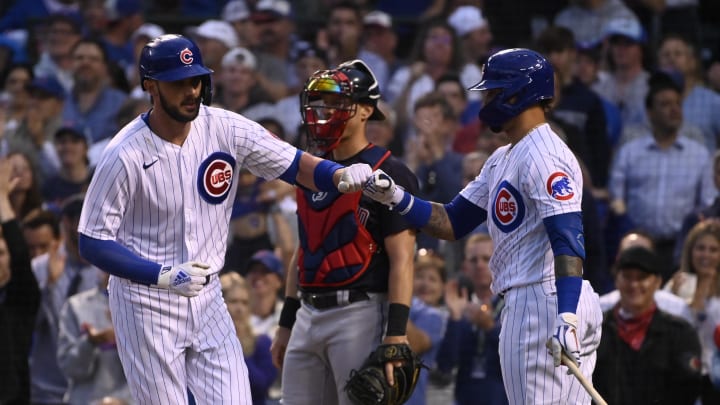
(519,186)
(170,203)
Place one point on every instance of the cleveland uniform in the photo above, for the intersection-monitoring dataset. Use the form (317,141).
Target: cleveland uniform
(519,185)
(171,204)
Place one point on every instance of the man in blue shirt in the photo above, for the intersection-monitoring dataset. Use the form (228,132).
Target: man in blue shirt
(660,177)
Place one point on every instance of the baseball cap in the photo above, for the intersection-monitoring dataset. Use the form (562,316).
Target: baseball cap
(72,130)
(625,27)
(117,9)
(269,10)
(268,260)
(640,258)
(378,18)
(218,30)
(239,56)
(46,86)
(236,10)
(147,30)
(307,50)
(73,19)
(466,19)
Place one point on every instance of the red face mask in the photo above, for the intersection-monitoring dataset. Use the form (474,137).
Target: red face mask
(326,106)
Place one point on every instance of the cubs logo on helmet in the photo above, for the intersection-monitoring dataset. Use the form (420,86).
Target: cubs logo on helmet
(560,187)
(215,177)
(186,56)
(508,208)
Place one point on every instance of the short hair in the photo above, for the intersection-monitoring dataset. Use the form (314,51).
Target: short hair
(659,82)
(347,5)
(452,78)
(477,238)
(43,218)
(555,39)
(436,99)
(429,258)
(97,43)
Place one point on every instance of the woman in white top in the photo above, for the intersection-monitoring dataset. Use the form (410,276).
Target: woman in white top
(698,282)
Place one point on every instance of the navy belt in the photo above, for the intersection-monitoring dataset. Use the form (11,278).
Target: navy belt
(332,299)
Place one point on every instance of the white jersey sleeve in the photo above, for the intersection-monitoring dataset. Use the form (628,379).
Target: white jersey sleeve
(552,178)
(107,197)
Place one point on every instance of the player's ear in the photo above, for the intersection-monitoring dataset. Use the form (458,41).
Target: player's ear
(151,87)
(365,111)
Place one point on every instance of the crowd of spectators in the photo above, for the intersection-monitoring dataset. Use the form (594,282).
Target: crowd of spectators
(637,100)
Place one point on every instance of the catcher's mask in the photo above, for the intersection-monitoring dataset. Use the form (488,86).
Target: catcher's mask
(329,99)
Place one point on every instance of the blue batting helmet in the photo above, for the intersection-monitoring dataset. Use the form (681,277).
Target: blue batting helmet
(171,57)
(524,77)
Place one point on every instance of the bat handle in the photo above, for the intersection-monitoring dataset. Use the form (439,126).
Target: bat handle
(583,381)
(343,187)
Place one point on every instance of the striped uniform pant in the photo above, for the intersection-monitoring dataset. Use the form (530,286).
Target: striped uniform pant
(169,343)
(527,368)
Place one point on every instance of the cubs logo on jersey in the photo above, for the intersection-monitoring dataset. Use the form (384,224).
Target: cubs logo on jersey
(215,177)
(508,209)
(560,187)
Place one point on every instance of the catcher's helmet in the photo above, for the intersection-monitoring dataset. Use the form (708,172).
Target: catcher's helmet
(524,77)
(171,57)
(325,117)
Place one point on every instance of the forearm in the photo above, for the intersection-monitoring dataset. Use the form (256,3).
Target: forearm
(317,174)
(439,225)
(291,279)
(419,340)
(566,266)
(449,221)
(400,248)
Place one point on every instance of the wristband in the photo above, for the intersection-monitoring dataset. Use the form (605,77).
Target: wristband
(568,293)
(323,175)
(289,309)
(416,210)
(398,315)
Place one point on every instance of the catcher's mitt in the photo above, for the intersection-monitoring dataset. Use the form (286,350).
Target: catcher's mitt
(369,385)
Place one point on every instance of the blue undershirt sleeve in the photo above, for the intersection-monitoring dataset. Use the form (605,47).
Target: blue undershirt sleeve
(118,260)
(464,216)
(565,232)
(290,175)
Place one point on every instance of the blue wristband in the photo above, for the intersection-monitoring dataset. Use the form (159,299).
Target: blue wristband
(323,175)
(568,293)
(416,210)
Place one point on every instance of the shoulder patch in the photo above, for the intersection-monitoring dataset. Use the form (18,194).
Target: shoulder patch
(560,187)
(215,177)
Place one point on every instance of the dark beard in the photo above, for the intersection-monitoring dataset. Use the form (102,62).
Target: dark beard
(175,112)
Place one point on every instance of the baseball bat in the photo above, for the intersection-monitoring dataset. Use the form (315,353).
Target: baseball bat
(583,381)
(343,187)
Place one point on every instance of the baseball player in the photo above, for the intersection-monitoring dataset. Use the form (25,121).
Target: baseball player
(156,218)
(354,263)
(531,189)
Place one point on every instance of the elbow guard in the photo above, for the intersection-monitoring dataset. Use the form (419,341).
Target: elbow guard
(565,232)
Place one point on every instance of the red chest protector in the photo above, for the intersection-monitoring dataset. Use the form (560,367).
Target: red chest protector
(335,247)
